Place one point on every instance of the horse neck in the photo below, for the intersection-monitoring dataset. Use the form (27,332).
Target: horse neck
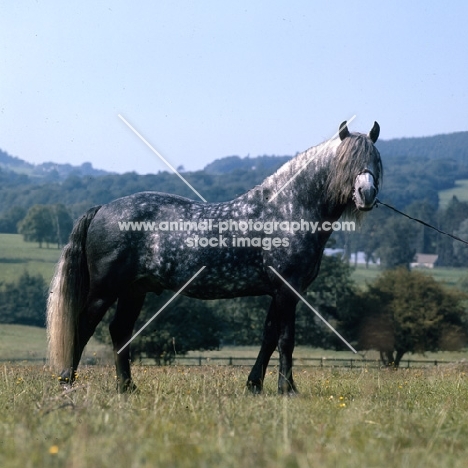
(303,179)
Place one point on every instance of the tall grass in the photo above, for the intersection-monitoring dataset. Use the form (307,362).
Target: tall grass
(202,417)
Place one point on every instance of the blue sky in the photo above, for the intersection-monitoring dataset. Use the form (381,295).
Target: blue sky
(206,79)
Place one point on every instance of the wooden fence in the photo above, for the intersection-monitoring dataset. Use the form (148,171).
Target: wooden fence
(321,362)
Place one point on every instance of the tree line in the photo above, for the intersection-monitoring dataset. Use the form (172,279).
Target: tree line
(410,184)
(43,213)
(383,234)
(402,311)
(50,224)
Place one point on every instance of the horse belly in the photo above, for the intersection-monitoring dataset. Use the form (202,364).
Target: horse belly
(227,273)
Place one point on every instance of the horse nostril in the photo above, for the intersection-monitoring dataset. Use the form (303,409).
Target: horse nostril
(365,194)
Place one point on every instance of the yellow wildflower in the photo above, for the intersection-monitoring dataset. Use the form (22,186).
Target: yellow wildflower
(53,450)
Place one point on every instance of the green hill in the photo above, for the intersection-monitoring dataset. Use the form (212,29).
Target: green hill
(47,171)
(17,256)
(22,342)
(460,191)
(416,169)
(453,146)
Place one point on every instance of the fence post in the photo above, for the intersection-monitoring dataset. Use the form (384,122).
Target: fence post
(199,360)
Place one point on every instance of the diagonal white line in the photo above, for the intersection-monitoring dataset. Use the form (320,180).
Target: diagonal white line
(157,154)
(305,165)
(313,310)
(161,309)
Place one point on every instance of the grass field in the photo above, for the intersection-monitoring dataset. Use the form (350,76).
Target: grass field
(448,276)
(460,191)
(17,256)
(23,343)
(203,417)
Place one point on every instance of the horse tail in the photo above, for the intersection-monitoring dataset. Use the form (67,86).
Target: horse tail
(67,297)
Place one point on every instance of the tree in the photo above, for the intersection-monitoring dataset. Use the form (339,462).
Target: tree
(37,225)
(186,324)
(370,234)
(425,237)
(408,311)
(242,319)
(46,223)
(460,249)
(62,224)
(449,221)
(9,221)
(24,301)
(331,294)
(397,243)
(189,324)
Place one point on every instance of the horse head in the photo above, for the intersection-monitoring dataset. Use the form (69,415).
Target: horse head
(366,164)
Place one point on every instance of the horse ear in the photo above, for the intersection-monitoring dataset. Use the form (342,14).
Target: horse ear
(375,132)
(343,131)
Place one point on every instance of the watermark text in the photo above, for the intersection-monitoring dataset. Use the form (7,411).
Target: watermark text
(230,225)
(234,233)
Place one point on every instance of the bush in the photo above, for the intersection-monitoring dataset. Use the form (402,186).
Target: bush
(408,311)
(24,302)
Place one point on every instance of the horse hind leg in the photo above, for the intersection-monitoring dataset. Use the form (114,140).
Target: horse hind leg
(269,343)
(96,306)
(121,327)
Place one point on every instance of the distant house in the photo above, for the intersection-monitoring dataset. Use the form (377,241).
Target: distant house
(359,258)
(424,261)
(334,252)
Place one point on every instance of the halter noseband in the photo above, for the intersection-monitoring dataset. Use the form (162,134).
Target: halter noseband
(376,185)
(368,171)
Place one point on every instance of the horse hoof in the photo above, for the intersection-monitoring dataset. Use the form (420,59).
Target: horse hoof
(254,387)
(127,387)
(67,378)
(288,390)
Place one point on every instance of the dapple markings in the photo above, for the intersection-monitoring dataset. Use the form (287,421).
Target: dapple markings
(102,264)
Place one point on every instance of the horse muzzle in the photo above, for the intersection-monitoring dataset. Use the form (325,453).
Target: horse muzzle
(365,191)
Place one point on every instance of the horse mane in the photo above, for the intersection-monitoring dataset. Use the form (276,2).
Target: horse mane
(341,161)
(304,164)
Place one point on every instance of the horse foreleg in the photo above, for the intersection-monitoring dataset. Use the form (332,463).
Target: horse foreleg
(269,343)
(121,327)
(287,318)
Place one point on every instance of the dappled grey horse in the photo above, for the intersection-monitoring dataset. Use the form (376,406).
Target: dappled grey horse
(253,245)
